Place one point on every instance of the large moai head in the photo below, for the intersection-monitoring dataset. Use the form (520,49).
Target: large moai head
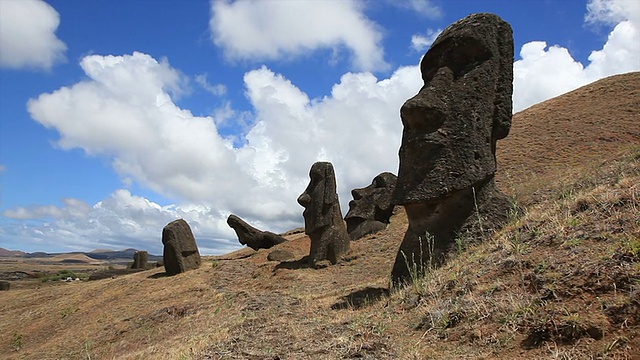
(451,126)
(447,156)
(322,217)
(371,207)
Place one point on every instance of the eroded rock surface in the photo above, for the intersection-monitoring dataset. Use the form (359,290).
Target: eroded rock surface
(447,157)
(371,207)
(180,252)
(140,259)
(252,237)
(322,217)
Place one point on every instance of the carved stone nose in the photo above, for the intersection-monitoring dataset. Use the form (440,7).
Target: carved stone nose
(304,200)
(423,114)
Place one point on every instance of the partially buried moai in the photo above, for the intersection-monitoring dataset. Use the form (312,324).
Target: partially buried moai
(180,253)
(322,217)
(371,207)
(140,259)
(447,156)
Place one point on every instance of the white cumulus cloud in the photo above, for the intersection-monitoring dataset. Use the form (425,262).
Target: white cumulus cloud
(27,35)
(125,112)
(120,221)
(544,72)
(271,30)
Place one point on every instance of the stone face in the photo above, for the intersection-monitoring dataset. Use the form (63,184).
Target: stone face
(322,217)
(447,155)
(252,237)
(371,207)
(140,259)
(180,252)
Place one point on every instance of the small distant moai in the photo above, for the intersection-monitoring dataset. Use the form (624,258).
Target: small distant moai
(4,285)
(447,156)
(252,237)
(371,207)
(322,217)
(180,252)
(140,259)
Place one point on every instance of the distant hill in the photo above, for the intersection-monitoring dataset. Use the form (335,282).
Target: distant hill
(563,135)
(11,253)
(101,254)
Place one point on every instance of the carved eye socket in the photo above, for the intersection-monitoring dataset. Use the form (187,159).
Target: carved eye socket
(379,182)
(461,55)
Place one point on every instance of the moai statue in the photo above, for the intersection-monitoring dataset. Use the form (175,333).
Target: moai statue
(180,252)
(140,259)
(252,237)
(371,207)
(447,156)
(322,217)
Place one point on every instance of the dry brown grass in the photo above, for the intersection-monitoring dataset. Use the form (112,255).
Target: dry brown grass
(560,282)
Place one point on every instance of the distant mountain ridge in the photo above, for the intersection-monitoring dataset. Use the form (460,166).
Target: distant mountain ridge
(11,253)
(101,254)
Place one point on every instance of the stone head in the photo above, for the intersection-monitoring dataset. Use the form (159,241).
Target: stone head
(320,197)
(451,126)
(373,202)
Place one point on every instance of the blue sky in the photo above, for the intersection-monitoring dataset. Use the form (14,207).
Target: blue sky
(118,117)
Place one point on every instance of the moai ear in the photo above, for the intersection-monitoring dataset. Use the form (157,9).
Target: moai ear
(503,106)
(330,195)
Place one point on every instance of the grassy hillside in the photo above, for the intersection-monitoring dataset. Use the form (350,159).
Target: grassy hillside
(562,281)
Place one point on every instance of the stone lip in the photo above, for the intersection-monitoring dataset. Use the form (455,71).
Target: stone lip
(252,237)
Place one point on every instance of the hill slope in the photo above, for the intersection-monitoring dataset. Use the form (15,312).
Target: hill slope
(562,281)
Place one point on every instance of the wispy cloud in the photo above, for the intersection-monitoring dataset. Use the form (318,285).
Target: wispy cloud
(420,42)
(425,8)
(216,90)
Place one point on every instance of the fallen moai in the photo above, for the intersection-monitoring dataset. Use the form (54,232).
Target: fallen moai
(252,237)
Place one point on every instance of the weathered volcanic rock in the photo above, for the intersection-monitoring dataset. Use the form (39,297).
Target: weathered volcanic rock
(447,156)
(280,255)
(252,237)
(371,207)
(140,259)
(180,252)
(322,217)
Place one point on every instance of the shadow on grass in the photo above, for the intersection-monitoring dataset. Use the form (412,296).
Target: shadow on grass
(293,265)
(361,298)
(158,275)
